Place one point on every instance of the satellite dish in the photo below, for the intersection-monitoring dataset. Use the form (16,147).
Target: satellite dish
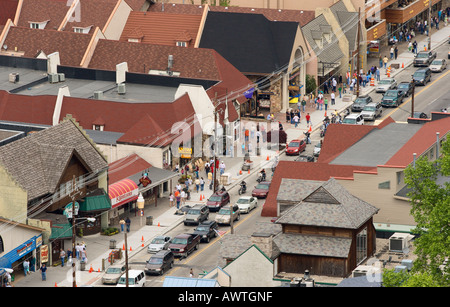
(5,47)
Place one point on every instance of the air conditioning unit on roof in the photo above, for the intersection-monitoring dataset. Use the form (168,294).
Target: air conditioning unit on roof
(53,78)
(98,95)
(121,88)
(399,242)
(363,270)
(61,77)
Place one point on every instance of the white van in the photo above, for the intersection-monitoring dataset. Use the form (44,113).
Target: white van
(354,119)
(136,278)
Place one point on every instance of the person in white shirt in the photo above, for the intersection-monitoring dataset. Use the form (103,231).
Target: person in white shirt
(333,98)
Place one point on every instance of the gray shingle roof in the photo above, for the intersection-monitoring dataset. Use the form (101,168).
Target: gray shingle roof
(330,205)
(314,245)
(330,53)
(37,161)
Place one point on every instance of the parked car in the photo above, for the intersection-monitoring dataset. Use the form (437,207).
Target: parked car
(360,102)
(422,76)
(406,88)
(305,158)
(158,243)
(386,84)
(207,230)
(392,98)
(295,147)
(136,278)
(247,203)
(184,244)
(223,217)
(438,65)
(317,148)
(424,58)
(112,274)
(159,263)
(196,214)
(261,190)
(218,200)
(354,119)
(372,111)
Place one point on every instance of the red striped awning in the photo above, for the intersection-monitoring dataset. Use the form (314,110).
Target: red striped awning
(123,192)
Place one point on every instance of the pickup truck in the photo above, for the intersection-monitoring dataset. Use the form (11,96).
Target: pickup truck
(183,244)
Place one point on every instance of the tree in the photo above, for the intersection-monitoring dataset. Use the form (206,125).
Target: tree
(430,207)
(310,84)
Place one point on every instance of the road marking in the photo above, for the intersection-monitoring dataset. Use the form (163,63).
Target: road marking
(416,94)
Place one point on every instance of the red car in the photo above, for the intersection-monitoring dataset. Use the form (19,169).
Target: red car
(261,190)
(295,147)
(218,200)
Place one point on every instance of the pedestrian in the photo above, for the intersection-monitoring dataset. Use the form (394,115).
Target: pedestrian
(62,255)
(122,228)
(26,267)
(69,256)
(288,116)
(191,273)
(296,120)
(333,98)
(197,184)
(84,255)
(392,53)
(202,183)
(222,167)
(178,198)
(340,91)
(171,199)
(396,52)
(43,272)
(128,223)
(385,60)
(326,104)
(378,74)
(303,104)
(183,196)
(308,118)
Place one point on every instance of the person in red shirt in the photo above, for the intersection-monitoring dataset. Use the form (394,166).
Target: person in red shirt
(308,118)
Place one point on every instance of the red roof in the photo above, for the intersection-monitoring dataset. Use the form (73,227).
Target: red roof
(126,167)
(162,28)
(420,142)
(306,171)
(27,109)
(7,10)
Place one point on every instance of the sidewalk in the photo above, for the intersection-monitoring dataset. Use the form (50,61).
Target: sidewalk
(164,217)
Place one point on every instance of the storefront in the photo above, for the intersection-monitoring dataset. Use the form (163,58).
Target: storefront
(123,195)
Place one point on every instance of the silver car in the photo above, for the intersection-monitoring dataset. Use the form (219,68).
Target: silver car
(158,243)
(386,84)
(371,111)
(247,203)
(113,274)
(438,65)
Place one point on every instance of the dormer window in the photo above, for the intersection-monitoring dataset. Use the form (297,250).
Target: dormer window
(181,44)
(38,25)
(98,127)
(84,30)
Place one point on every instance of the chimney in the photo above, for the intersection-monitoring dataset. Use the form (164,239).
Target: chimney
(437,145)
(264,241)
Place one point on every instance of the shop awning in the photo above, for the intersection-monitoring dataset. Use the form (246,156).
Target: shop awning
(95,203)
(122,192)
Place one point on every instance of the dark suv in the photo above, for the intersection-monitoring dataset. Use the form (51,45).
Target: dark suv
(422,76)
(160,262)
(424,58)
(206,230)
(218,200)
(360,103)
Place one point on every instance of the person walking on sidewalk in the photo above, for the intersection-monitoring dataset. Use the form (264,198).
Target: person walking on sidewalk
(333,98)
(122,228)
(43,270)
(171,199)
(385,60)
(296,120)
(392,53)
(395,52)
(128,222)
(202,184)
(62,255)
(303,104)
(26,267)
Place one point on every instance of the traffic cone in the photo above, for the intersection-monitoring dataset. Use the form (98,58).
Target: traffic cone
(142,245)
(372,81)
(249,171)
(142,240)
(201,198)
(267,158)
(91,269)
(99,271)
(403,65)
(240,172)
(123,247)
(130,249)
(159,224)
(56,285)
(310,129)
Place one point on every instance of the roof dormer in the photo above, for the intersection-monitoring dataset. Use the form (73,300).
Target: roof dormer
(38,25)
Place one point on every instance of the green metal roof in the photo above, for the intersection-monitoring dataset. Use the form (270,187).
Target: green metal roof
(61,231)
(95,203)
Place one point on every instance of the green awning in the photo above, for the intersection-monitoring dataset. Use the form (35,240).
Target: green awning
(61,231)
(95,203)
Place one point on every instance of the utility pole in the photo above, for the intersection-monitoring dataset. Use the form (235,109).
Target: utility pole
(429,25)
(412,97)
(215,145)
(126,260)
(357,53)
(73,195)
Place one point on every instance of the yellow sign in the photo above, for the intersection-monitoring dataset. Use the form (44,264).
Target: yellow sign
(185,152)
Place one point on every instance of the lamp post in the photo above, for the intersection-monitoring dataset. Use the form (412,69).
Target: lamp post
(412,96)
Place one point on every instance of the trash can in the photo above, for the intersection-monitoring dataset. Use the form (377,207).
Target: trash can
(82,265)
(112,244)
(149,220)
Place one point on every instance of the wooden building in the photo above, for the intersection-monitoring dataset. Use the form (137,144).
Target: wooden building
(328,232)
